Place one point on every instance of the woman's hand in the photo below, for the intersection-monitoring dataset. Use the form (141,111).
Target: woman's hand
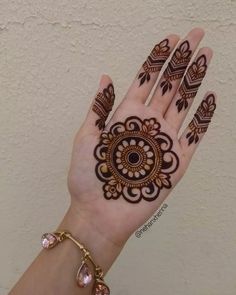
(123,169)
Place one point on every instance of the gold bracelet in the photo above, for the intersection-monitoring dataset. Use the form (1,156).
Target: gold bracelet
(84,275)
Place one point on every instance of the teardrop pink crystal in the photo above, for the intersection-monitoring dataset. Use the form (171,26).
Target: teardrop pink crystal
(48,240)
(100,288)
(84,276)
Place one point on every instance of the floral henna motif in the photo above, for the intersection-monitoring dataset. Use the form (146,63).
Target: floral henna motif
(176,66)
(155,60)
(201,119)
(192,81)
(103,105)
(135,160)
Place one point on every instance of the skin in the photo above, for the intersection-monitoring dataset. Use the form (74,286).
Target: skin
(104,226)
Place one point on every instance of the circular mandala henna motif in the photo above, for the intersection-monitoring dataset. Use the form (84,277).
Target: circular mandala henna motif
(135,160)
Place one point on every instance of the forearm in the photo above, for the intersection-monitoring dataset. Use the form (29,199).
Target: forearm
(54,270)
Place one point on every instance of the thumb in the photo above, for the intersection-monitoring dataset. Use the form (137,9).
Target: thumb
(101,106)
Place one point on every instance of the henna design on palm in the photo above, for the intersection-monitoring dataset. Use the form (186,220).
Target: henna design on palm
(155,60)
(192,81)
(135,160)
(201,119)
(103,105)
(176,66)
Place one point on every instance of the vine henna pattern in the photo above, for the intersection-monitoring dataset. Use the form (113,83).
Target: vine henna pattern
(192,81)
(201,119)
(135,160)
(176,66)
(103,105)
(155,60)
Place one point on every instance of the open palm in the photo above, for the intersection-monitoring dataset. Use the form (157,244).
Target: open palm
(122,170)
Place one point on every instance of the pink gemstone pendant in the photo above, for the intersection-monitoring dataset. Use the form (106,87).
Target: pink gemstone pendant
(49,240)
(100,288)
(84,275)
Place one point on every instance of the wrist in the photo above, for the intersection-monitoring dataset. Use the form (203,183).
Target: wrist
(103,250)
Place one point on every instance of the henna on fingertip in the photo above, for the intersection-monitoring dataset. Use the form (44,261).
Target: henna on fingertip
(177,66)
(201,119)
(191,82)
(155,60)
(103,105)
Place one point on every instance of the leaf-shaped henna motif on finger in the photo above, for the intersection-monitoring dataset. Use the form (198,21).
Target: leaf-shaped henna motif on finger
(135,160)
(192,81)
(103,105)
(176,66)
(155,61)
(201,119)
